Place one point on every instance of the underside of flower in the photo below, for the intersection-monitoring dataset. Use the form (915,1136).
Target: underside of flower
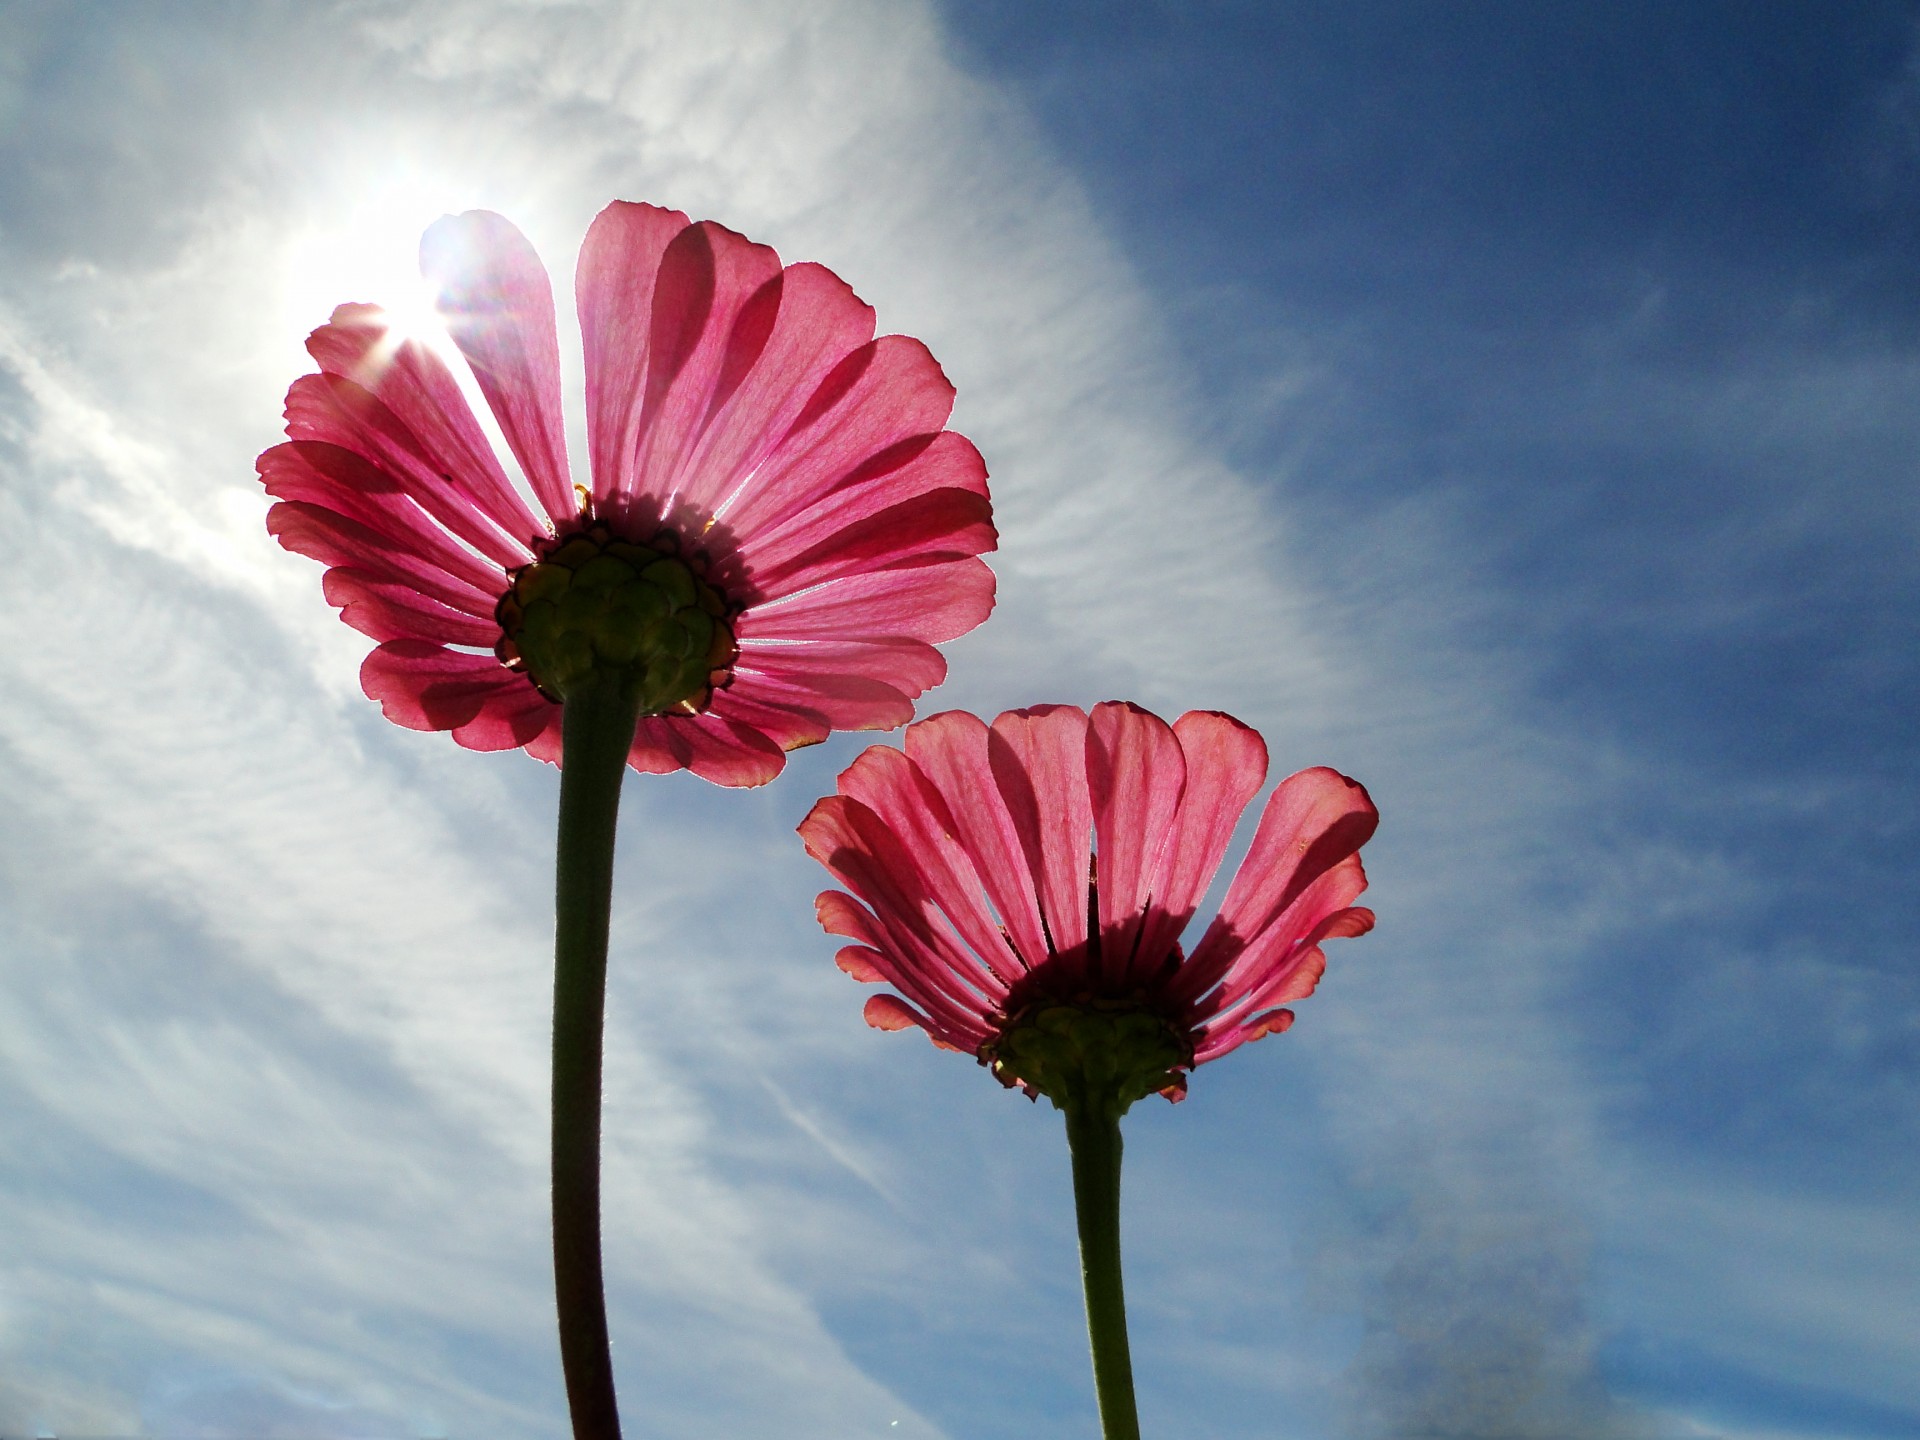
(1094,1058)
(1023,889)
(596,603)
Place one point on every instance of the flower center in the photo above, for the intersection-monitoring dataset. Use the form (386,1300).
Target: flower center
(595,603)
(1100,1056)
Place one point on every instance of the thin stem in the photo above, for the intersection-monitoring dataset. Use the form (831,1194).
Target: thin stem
(597,731)
(1093,1138)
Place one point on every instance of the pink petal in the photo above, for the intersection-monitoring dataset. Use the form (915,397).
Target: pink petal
(839,702)
(837,912)
(932,603)
(906,969)
(1243,963)
(424,687)
(1232,1037)
(728,752)
(707,275)
(1039,762)
(339,481)
(860,851)
(950,750)
(841,914)
(509,720)
(410,380)
(941,526)
(862,962)
(389,610)
(892,787)
(907,665)
(332,539)
(336,411)
(498,305)
(912,467)
(653,751)
(1313,821)
(1291,976)
(888,1012)
(614,288)
(785,341)
(546,745)
(887,391)
(789,724)
(725,752)
(1135,774)
(1226,766)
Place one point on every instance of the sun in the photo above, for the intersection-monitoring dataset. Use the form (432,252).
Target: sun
(366,249)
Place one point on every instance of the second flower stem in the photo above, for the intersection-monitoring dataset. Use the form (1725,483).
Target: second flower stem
(597,732)
(1093,1139)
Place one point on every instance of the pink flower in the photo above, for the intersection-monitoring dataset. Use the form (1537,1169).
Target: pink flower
(1024,882)
(808,528)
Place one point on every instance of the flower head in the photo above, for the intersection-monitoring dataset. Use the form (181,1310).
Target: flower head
(777,533)
(1026,886)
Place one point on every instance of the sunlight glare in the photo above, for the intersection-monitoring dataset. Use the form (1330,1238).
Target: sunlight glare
(360,244)
(367,251)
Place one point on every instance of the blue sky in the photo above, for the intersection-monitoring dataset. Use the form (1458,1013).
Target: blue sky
(1510,404)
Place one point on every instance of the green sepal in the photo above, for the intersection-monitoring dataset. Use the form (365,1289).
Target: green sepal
(1094,1059)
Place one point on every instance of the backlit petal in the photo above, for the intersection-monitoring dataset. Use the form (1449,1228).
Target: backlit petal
(498,305)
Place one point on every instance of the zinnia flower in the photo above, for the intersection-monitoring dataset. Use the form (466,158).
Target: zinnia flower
(778,529)
(1026,887)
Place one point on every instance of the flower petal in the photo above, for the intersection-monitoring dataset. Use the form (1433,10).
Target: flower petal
(892,787)
(932,603)
(336,411)
(907,665)
(838,701)
(707,275)
(320,479)
(940,526)
(1039,762)
(889,1012)
(908,469)
(1135,776)
(388,609)
(498,305)
(1239,962)
(905,966)
(321,534)
(862,962)
(1312,822)
(864,854)
(951,750)
(887,391)
(614,289)
(422,686)
(1291,975)
(510,719)
(789,723)
(1226,766)
(726,752)
(785,341)
(358,344)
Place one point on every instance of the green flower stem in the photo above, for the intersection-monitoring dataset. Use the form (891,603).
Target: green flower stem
(1093,1138)
(597,731)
